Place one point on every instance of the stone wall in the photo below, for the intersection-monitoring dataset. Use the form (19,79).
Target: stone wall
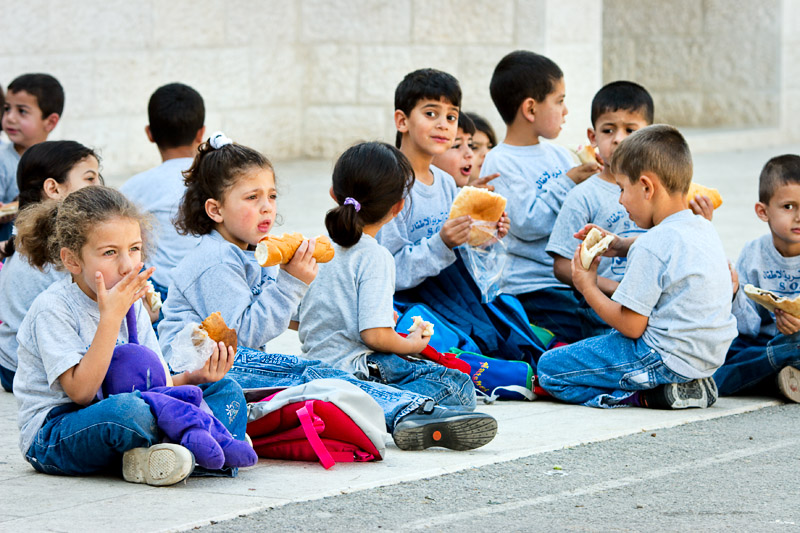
(301,78)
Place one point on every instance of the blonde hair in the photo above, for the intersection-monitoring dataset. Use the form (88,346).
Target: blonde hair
(659,149)
(43,229)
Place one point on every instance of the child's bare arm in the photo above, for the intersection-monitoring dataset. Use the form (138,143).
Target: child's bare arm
(562,269)
(387,340)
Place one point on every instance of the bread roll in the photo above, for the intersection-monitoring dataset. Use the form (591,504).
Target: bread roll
(593,245)
(697,189)
(482,205)
(11,208)
(427,327)
(587,154)
(272,250)
(772,301)
(153,298)
(216,328)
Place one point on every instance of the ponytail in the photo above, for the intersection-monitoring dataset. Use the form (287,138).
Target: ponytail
(344,225)
(36,234)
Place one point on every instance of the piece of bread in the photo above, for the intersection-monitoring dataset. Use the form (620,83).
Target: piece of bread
(272,250)
(427,327)
(587,154)
(697,189)
(772,301)
(153,298)
(216,328)
(11,208)
(593,245)
(482,205)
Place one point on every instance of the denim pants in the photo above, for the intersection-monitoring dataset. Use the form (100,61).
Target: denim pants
(447,386)
(555,309)
(751,361)
(254,369)
(602,371)
(78,440)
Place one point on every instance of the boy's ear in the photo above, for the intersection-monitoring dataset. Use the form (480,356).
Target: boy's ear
(761,211)
(201,134)
(50,122)
(70,261)
(528,109)
(213,212)
(648,186)
(400,120)
(148,133)
(591,136)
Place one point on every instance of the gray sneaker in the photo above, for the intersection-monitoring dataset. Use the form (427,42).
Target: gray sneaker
(159,465)
(696,393)
(789,383)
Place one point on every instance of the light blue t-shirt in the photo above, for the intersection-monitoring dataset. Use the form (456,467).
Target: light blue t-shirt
(413,236)
(678,277)
(9,160)
(350,294)
(159,191)
(54,336)
(595,201)
(534,181)
(20,284)
(217,275)
(761,264)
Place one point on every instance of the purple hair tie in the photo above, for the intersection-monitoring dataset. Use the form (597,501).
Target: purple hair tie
(353,202)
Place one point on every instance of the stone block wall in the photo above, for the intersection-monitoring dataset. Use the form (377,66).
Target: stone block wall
(294,78)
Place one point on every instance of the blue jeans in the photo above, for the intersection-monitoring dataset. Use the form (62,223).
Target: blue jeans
(602,371)
(76,441)
(555,309)
(446,386)
(254,369)
(6,378)
(751,361)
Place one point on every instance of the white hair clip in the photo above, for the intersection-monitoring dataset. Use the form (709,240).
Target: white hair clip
(218,140)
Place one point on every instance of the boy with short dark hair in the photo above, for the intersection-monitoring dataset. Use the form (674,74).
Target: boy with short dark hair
(176,115)
(672,309)
(535,177)
(32,108)
(768,346)
(618,109)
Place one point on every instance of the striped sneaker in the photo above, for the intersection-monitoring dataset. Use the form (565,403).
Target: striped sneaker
(696,393)
(159,465)
(789,383)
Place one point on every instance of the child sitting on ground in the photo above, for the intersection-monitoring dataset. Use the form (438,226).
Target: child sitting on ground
(176,114)
(68,338)
(230,202)
(528,91)
(767,345)
(48,170)
(33,107)
(672,309)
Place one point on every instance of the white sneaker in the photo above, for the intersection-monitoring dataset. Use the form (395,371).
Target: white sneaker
(159,465)
(789,383)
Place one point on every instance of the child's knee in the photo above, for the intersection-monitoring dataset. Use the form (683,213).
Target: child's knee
(129,411)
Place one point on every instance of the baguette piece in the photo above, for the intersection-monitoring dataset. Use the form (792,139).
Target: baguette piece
(153,297)
(697,189)
(272,250)
(483,206)
(772,301)
(587,154)
(427,327)
(593,245)
(11,208)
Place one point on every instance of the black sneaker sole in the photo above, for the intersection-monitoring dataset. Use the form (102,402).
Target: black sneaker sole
(700,393)
(456,433)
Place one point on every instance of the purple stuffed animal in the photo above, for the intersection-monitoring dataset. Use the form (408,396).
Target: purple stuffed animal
(180,412)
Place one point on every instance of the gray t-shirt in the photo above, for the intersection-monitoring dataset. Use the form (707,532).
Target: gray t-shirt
(413,236)
(350,294)
(595,201)
(534,181)
(53,337)
(9,159)
(20,284)
(678,277)
(159,191)
(217,275)
(762,265)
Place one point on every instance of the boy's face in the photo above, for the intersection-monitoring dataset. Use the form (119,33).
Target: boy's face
(457,161)
(611,128)
(23,120)
(782,213)
(480,147)
(430,128)
(634,198)
(549,115)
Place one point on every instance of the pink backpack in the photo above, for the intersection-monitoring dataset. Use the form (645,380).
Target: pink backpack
(325,420)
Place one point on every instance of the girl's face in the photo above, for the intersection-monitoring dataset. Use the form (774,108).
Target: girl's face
(480,147)
(247,210)
(113,248)
(85,173)
(457,161)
